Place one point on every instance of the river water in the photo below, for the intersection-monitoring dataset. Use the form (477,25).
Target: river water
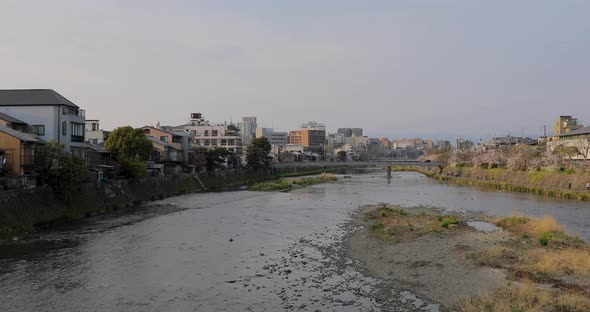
(239,251)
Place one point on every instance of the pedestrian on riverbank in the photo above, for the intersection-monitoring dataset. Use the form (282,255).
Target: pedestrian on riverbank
(569,185)
(588,186)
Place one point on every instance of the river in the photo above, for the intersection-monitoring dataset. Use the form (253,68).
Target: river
(238,251)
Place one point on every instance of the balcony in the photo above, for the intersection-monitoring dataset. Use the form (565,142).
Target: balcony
(77,138)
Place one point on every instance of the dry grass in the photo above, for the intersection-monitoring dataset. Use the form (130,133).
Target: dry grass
(546,230)
(570,261)
(495,256)
(530,225)
(540,252)
(525,298)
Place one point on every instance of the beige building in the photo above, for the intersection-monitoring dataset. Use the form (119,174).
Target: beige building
(565,124)
(578,139)
(308,137)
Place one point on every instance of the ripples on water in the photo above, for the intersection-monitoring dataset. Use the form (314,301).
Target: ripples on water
(285,250)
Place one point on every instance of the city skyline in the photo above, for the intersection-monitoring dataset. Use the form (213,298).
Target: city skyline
(441,69)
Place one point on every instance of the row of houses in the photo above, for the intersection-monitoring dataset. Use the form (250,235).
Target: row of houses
(30,118)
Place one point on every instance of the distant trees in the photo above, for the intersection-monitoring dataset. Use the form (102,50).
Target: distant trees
(489,159)
(258,154)
(131,148)
(341,155)
(523,158)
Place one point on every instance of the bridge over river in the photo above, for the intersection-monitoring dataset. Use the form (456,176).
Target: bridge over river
(370,163)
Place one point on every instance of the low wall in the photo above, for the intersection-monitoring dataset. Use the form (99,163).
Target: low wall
(22,210)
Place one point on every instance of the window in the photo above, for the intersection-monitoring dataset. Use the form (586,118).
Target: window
(38,129)
(164,138)
(214,133)
(176,139)
(206,133)
(94,127)
(64,128)
(77,132)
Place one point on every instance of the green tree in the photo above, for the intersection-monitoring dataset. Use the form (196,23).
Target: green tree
(128,143)
(258,155)
(63,171)
(199,158)
(341,155)
(216,157)
(130,148)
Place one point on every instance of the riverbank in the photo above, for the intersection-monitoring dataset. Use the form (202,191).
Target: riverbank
(466,262)
(23,211)
(539,183)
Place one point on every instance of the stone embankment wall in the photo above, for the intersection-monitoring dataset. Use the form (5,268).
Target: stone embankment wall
(541,179)
(22,210)
(538,182)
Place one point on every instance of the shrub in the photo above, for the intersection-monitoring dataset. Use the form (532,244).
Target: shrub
(377,226)
(445,221)
(132,168)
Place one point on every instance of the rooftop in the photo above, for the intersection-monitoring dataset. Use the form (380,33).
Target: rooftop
(26,137)
(581,131)
(11,119)
(160,142)
(33,97)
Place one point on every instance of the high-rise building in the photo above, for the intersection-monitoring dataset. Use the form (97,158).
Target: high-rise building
(314,125)
(247,129)
(357,132)
(346,132)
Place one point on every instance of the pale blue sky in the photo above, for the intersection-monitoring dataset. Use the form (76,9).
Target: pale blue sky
(396,68)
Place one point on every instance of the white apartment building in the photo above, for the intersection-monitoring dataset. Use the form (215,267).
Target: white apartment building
(51,116)
(211,135)
(94,134)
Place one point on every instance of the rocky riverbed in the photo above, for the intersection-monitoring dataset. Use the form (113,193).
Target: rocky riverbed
(465,262)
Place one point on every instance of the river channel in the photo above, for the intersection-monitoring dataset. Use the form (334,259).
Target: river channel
(240,250)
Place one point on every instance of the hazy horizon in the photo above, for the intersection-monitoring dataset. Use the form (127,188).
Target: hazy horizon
(397,69)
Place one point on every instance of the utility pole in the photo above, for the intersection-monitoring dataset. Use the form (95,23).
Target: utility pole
(545,131)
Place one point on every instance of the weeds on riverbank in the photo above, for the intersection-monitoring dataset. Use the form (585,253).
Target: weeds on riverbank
(539,252)
(280,185)
(526,298)
(270,186)
(394,223)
